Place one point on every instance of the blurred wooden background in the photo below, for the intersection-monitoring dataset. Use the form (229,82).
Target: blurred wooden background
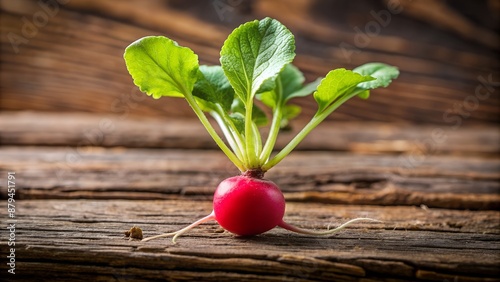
(67,56)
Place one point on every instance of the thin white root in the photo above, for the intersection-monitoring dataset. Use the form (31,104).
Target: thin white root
(183,230)
(326,232)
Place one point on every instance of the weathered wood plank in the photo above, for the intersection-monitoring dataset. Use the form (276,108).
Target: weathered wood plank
(85,129)
(71,239)
(331,177)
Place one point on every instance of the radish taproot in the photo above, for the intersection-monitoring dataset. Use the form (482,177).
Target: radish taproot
(256,63)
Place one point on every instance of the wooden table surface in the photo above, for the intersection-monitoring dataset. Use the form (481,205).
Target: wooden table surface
(439,208)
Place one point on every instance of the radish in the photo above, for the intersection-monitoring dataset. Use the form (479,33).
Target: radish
(248,206)
(255,64)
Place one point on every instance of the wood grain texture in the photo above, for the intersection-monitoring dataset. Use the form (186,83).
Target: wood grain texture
(327,177)
(84,129)
(71,239)
(74,61)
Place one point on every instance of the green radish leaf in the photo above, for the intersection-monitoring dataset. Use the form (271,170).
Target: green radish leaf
(255,52)
(213,87)
(267,85)
(206,106)
(291,80)
(383,73)
(160,67)
(336,84)
(269,98)
(364,95)
(238,121)
(259,117)
(289,112)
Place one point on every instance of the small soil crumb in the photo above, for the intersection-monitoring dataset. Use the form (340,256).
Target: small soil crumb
(219,230)
(134,233)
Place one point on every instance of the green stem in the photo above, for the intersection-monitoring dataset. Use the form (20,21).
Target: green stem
(275,125)
(257,141)
(234,131)
(273,135)
(293,143)
(233,143)
(190,99)
(252,158)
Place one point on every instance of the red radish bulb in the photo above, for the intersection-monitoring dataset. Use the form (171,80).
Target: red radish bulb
(248,206)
